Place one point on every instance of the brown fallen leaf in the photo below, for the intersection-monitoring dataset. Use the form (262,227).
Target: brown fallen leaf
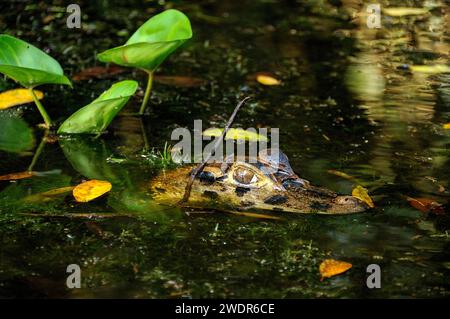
(268,80)
(426,205)
(331,267)
(90,190)
(15,176)
(362,194)
(180,81)
(17,97)
(98,72)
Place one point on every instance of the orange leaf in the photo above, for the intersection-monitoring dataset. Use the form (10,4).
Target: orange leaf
(90,190)
(362,194)
(446,126)
(17,97)
(14,176)
(331,267)
(265,79)
(426,205)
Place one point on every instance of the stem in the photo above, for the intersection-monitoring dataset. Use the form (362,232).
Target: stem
(147,93)
(41,109)
(38,152)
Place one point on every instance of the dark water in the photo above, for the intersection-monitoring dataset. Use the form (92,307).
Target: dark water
(345,103)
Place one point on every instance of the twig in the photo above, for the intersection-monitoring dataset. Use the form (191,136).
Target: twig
(78,215)
(201,166)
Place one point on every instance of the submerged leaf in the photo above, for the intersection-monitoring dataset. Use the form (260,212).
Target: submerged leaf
(48,195)
(331,267)
(267,80)
(95,117)
(153,42)
(98,72)
(27,64)
(16,176)
(404,11)
(90,190)
(236,134)
(340,174)
(426,205)
(180,81)
(362,194)
(15,135)
(17,97)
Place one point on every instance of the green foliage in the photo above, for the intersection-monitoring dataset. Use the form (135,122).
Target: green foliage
(15,135)
(152,43)
(28,65)
(95,117)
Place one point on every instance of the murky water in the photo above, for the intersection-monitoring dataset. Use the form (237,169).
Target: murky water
(346,103)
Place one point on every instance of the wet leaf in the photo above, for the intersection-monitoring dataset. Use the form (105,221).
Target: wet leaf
(404,11)
(331,267)
(340,174)
(90,190)
(426,205)
(236,134)
(95,117)
(16,176)
(153,42)
(267,80)
(48,195)
(362,194)
(98,72)
(180,81)
(430,69)
(28,65)
(15,135)
(446,126)
(17,97)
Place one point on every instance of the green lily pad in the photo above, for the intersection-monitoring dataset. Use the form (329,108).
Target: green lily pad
(95,117)
(28,65)
(153,42)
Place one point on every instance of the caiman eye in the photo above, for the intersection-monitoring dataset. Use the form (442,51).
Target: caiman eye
(244,176)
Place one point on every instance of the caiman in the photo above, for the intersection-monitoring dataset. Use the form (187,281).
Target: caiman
(260,185)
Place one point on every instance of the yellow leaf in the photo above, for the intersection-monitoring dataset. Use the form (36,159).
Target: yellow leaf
(331,267)
(267,80)
(430,69)
(362,194)
(90,190)
(14,176)
(404,11)
(340,174)
(446,126)
(17,97)
(236,134)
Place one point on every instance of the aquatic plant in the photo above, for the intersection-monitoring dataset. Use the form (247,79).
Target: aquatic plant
(31,67)
(150,45)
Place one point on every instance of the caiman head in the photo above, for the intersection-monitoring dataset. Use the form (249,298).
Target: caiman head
(261,184)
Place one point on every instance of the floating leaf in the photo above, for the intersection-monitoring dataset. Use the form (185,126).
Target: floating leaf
(98,72)
(267,80)
(430,69)
(404,11)
(446,126)
(15,135)
(90,190)
(331,267)
(362,194)
(17,97)
(426,205)
(27,64)
(180,81)
(152,43)
(236,134)
(95,117)
(16,176)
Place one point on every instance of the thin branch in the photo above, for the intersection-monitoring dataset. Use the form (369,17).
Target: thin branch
(201,166)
